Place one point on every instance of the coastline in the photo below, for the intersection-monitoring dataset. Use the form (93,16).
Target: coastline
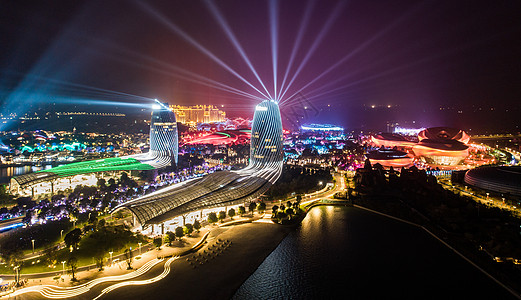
(220,276)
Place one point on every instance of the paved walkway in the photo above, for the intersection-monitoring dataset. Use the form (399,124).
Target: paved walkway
(86,275)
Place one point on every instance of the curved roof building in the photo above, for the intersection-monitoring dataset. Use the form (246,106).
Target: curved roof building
(390,140)
(223,187)
(496,179)
(163,152)
(442,146)
(444,133)
(390,158)
(441,152)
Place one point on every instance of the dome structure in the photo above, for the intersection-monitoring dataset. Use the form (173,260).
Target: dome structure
(504,179)
(444,133)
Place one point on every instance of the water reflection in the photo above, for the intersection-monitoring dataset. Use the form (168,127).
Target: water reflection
(9,172)
(348,253)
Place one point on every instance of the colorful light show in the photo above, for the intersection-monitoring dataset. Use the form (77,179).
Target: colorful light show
(222,138)
(163,152)
(225,187)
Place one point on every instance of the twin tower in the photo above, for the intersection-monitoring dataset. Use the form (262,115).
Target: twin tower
(266,135)
(217,189)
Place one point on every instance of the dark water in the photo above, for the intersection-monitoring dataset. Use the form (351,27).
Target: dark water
(349,253)
(8,172)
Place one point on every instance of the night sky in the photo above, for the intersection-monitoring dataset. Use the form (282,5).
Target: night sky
(414,56)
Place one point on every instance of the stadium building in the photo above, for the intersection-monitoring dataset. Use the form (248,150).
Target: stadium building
(504,179)
(222,188)
(442,146)
(390,158)
(163,152)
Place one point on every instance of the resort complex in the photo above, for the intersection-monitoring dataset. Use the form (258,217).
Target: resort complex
(224,187)
(163,152)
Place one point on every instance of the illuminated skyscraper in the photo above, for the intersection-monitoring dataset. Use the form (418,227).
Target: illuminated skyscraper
(163,134)
(223,187)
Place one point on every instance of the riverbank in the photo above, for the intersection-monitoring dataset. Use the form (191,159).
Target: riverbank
(215,276)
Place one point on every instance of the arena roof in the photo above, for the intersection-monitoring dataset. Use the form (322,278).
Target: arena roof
(445,145)
(503,179)
(86,167)
(386,154)
(444,133)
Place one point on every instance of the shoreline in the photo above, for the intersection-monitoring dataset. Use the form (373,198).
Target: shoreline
(426,230)
(221,275)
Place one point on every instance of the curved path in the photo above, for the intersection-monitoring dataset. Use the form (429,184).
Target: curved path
(56,292)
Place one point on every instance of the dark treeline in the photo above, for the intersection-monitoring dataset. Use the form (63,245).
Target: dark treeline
(298,180)
(483,233)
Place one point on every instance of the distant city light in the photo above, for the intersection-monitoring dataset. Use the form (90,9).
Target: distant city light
(321,127)
(408,131)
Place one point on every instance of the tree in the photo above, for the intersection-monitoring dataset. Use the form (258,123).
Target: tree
(14,258)
(73,238)
(93,217)
(128,257)
(124,179)
(197,225)
(212,218)
(241,210)
(27,218)
(112,182)
(281,215)
(169,237)
(99,257)
(231,213)
(251,207)
(261,207)
(289,211)
(188,229)
(72,263)
(101,223)
(299,198)
(51,255)
(179,233)
(102,184)
(274,209)
(158,242)
(222,215)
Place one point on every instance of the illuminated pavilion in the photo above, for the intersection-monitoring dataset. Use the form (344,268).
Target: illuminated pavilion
(163,152)
(222,188)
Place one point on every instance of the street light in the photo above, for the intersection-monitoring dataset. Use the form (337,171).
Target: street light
(111,257)
(33,245)
(61,234)
(63,267)
(139,248)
